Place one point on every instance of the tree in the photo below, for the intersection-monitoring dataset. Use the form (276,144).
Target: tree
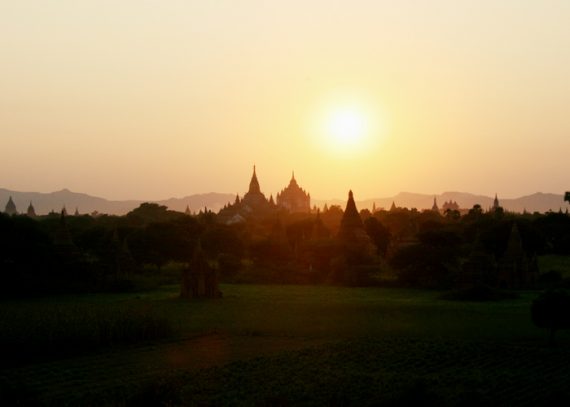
(475,213)
(452,214)
(426,265)
(379,234)
(551,310)
(151,212)
(567,197)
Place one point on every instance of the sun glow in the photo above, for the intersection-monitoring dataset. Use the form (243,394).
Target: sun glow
(349,125)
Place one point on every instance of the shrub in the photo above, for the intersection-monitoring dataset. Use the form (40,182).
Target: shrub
(551,310)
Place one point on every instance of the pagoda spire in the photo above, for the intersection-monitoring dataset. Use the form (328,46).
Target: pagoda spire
(254,183)
(496,202)
(352,234)
(434,207)
(351,217)
(11,207)
(31,211)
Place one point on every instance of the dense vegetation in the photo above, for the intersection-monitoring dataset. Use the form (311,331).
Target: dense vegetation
(151,245)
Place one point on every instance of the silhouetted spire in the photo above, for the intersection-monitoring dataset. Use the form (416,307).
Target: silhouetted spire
(434,207)
(393,207)
(76,213)
(294,198)
(351,217)
(31,212)
(293,182)
(254,184)
(199,280)
(11,207)
(187,211)
(271,201)
(496,202)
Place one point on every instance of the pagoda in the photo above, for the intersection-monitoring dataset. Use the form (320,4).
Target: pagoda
(352,233)
(435,208)
(31,212)
(10,208)
(294,198)
(254,198)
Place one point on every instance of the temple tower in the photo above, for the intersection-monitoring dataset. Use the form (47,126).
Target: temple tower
(294,198)
(254,184)
(434,207)
(254,198)
(515,269)
(200,280)
(496,203)
(351,220)
(10,207)
(31,212)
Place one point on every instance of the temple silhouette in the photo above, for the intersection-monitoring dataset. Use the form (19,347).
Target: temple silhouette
(294,198)
(254,203)
(10,208)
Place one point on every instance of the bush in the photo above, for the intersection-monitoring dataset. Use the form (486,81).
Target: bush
(551,310)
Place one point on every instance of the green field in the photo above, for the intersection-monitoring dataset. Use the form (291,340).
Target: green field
(362,342)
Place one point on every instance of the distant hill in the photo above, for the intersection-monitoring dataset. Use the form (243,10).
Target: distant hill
(46,202)
(538,202)
(213,201)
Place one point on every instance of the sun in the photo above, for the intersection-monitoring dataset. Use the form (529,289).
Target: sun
(348,124)
(345,130)
(346,127)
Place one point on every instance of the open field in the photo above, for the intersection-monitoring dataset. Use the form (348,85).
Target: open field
(391,336)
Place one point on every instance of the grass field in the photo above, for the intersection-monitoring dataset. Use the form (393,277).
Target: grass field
(254,321)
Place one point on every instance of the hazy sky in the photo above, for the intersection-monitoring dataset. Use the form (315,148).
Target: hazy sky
(153,99)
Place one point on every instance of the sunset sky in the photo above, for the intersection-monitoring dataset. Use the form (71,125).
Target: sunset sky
(155,99)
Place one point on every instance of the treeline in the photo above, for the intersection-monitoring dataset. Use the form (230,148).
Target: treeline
(59,253)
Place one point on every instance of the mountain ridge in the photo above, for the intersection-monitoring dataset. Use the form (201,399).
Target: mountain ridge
(54,201)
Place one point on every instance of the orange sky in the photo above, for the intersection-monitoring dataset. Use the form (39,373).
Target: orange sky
(149,99)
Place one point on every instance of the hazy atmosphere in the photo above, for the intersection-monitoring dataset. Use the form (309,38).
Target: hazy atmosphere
(241,203)
(148,100)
